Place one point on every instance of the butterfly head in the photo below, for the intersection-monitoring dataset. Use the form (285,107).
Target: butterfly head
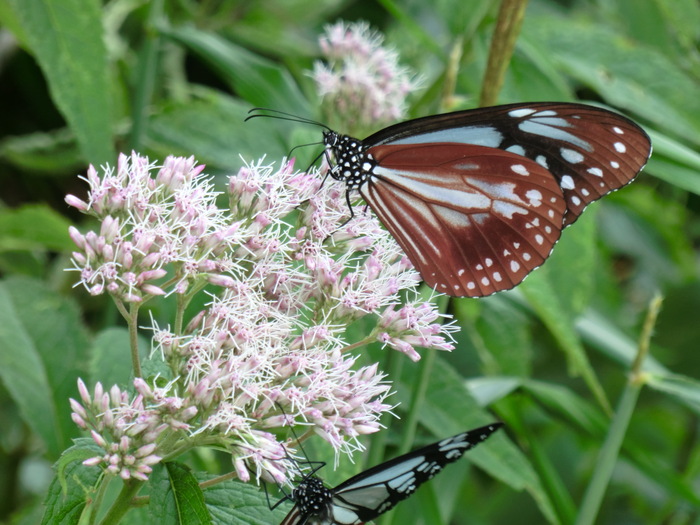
(352,164)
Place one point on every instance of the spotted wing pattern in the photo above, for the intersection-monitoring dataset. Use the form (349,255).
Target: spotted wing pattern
(473,220)
(459,191)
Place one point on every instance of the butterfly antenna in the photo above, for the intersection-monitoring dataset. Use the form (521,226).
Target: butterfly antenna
(282,115)
(304,146)
(319,464)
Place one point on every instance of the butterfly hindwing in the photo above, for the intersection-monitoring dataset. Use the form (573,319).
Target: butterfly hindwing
(487,218)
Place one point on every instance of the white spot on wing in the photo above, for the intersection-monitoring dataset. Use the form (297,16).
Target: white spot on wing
(620,147)
(517,149)
(519,169)
(595,171)
(570,155)
(522,112)
(535,197)
(567,183)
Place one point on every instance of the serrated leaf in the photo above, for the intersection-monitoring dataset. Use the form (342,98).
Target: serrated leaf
(512,348)
(571,268)
(626,73)
(66,39)
(176,496)
(46,154)
(73,487)
(236,502)
(567,406)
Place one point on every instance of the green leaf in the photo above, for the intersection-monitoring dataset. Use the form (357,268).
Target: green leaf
(685,388)
(66,39)
(256,79)
(449,409)
(236,502)
(176,496)
(571,268)
(74,486)
(674,163)
(553,312)
(33,227)
(110,358)
(627,74)
(46,154)
(212,125)
(567,406)
(510,349)
(42,344)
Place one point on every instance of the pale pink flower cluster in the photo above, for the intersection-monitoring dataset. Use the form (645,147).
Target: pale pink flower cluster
(148,222)
(361,81)
(286,276)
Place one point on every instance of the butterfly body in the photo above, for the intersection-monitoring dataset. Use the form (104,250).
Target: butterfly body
(477,199)
(366,496)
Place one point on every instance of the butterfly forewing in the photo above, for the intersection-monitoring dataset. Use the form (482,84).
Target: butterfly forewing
(472,219)
(590,151)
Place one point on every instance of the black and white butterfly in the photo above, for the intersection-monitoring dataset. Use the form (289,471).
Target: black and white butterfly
(375,491)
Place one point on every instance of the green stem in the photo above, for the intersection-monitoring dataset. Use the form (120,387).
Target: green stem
(392,363)
(505,34)
(419,390)
(122,504)
(451,72)
(611,447)
(146,75)
(98,499)
(134,339)
(411,420)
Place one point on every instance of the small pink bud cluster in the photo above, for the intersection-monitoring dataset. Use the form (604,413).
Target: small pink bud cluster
(156,223)
(361,81)
(126,430)
(413,325)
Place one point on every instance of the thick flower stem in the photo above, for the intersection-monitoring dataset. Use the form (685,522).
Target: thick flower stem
(505,34)
(123,502)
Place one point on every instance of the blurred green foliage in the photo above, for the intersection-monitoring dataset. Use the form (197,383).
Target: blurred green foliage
(80,79)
